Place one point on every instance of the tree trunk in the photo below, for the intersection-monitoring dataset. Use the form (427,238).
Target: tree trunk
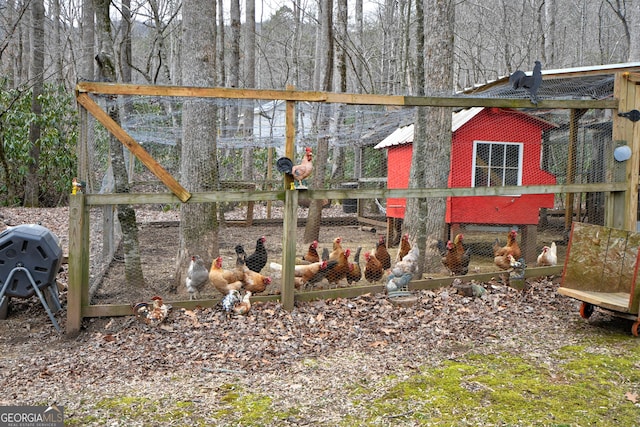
(549,52)
(339,152)
(250,82)
(221,75)
(324,62)
(59,48)
(432,139)
(634,29)
(37,80)
(126,213)
(125,48)
(198,168)
(87,71)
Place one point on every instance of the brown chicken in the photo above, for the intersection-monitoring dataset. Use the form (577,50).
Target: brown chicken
(244,305)
(313,273)
(506,262)
(382,254)
(456,258)
(502,255)
(373,270)
(355,272)
(405,247)
(340,269)
(307,274)
(511,248)
(254,282)
(298,172)
(222,279)
(312,253)
(337,249)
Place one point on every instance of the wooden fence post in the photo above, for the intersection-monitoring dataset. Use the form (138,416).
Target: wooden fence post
(78,286)
(289,248)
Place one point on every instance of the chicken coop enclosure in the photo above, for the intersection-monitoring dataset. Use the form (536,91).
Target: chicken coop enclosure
(512,165)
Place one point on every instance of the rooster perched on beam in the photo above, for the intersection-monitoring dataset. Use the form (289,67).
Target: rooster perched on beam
(297,172)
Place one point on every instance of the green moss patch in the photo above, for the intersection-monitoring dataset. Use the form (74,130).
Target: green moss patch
(577,385)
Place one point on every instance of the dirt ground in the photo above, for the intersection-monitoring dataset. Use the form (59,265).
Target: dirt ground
(118,370)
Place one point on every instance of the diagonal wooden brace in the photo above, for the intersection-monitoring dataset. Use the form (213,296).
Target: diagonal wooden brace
(137,150)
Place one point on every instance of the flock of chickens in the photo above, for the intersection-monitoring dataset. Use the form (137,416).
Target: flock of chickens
(245,279)
(456,258)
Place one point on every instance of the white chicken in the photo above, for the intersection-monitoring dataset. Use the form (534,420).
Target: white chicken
(197,277)
(548,256)
(402,272)
(408,264)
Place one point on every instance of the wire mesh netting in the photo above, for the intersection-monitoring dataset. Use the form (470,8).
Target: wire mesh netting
(369,147)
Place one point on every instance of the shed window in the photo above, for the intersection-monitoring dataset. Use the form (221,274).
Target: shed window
(496,164)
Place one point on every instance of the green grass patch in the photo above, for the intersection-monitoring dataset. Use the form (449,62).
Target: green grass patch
(248,408)
(577,385)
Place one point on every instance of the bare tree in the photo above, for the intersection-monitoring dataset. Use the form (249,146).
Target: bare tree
(425,218)
(324,81)
(550,12)
(342,35)
(32,183)
(57,40)
(628,11)
(250,81)
(198,168)
(234,63)
(126,213)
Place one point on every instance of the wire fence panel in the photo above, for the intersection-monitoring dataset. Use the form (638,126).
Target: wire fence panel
(368,148)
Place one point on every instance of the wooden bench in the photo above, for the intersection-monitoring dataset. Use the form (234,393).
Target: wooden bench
(601,270)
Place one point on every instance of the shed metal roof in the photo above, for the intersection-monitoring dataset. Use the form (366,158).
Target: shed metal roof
(589,82)
(404,135)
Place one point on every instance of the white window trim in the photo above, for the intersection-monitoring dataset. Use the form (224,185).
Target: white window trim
(520,158)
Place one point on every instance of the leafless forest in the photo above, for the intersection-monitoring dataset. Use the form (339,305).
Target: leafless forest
(272,44)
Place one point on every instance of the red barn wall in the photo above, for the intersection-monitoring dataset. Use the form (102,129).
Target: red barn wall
(489,125)
(399,161)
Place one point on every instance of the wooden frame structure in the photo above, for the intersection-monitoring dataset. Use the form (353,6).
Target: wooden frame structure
(621,207)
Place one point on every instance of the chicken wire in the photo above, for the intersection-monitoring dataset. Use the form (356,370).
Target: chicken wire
(369,147)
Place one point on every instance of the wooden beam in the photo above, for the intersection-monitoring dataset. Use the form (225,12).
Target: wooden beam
(341,98)
(78,283)
(617,301)
(633,171)
(134,147)
(575,116)
(370,193)
(617,204)
(290,225)
(632,77)
(107,310)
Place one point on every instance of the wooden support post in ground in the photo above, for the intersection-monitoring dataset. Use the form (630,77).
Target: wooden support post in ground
(528,243)
(78,287)
(290,217)
(289,248)
(622,206)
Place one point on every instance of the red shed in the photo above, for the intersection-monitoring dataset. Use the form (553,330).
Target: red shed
(490,147)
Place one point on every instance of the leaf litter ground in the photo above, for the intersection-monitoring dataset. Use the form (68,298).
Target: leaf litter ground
(324,363)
